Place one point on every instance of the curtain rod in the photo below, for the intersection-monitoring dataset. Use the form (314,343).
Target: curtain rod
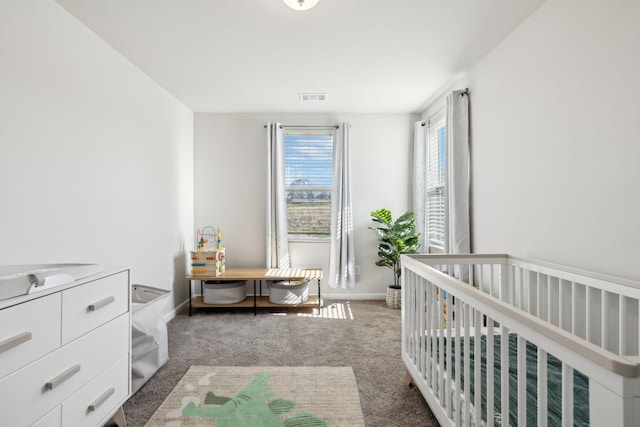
(462,93)
(307,127)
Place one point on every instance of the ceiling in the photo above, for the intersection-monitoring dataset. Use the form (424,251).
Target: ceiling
(368,56)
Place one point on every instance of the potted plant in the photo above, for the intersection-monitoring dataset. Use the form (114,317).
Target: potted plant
(395,238)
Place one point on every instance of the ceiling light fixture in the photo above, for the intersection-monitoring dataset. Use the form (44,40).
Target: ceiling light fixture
(300,4)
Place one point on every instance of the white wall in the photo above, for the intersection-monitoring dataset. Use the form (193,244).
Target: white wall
(96,160)
(230,170)
(556,138)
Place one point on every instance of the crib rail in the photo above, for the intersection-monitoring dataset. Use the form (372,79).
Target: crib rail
(600,309)
(451,302)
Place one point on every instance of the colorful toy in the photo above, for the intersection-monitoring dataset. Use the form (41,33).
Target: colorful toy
(206,261)
(205,235)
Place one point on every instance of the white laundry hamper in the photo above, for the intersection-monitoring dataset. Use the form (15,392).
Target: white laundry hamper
(149,338)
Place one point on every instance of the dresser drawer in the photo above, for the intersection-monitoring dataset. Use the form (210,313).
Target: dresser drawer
(100,398)
(27,332)
(88,306)
(33,391)
(52,419)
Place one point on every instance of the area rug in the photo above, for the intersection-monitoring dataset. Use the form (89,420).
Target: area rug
(262,397)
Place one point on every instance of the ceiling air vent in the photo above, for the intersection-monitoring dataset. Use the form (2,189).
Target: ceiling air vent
(311,97)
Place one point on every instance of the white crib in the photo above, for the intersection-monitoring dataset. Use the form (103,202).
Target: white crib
(560,345)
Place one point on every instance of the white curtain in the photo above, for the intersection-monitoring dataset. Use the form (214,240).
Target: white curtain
(457,184)
(457,237)
(277,232)
(342,259)
(420,183)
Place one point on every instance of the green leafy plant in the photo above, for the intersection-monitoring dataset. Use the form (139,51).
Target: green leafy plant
(395,238)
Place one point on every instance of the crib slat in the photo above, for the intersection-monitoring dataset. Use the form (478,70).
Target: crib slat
(574,309)
(538,297)
(522,381)
(567,395)
(605,320)
(514,282)
(436,342)
(430,330)
(467,364)
(622,329)
(458,341)
(613,303)
(542,388)
(410,336)
(504,375)
(506,285)
(416,329)
(554,299)
(567,309)
(550,300)
(422,326)
(448,352)
(441,354)
(427,325)
(628,321)
(528,291)
(561,307)
(589,323)
(492,280)
(490,374)
(477,371)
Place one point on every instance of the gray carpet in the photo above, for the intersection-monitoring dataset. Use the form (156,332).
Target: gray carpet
(362,334)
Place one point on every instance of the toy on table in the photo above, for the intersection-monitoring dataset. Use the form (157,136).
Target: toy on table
(207,261)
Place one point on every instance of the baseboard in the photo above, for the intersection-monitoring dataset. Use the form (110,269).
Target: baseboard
(342,297)
(184,307)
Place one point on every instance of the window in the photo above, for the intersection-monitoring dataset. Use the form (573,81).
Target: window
(308,163)
(436,169)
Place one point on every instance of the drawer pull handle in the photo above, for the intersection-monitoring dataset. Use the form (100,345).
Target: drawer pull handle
(99,401)
(14,341)
(62,377)
(102,303)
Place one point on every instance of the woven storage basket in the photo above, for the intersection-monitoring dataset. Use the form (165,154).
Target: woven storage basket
(394,298)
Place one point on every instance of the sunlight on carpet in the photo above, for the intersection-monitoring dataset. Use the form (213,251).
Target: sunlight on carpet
(337,311)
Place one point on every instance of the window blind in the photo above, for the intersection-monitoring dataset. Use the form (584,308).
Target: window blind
(436,168)
(308,178)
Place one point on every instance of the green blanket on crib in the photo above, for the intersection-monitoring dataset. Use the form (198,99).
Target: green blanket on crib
(554,383)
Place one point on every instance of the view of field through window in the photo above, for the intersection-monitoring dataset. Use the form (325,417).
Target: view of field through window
(308,177)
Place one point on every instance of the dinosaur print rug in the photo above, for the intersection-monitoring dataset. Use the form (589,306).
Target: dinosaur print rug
(262,397)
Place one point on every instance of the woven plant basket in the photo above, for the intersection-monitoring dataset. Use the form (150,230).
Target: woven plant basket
(394,299)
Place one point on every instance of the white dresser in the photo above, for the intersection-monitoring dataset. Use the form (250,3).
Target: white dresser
(65,353)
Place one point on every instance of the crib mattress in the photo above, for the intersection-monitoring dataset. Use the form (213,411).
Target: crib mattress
(554,382)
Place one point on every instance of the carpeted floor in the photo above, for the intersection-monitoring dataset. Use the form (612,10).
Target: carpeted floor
(362,334)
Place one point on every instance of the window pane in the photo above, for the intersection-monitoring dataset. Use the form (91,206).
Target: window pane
(308,176)
(436,170)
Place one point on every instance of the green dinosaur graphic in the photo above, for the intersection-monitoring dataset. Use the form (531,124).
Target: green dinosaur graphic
(254,405)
